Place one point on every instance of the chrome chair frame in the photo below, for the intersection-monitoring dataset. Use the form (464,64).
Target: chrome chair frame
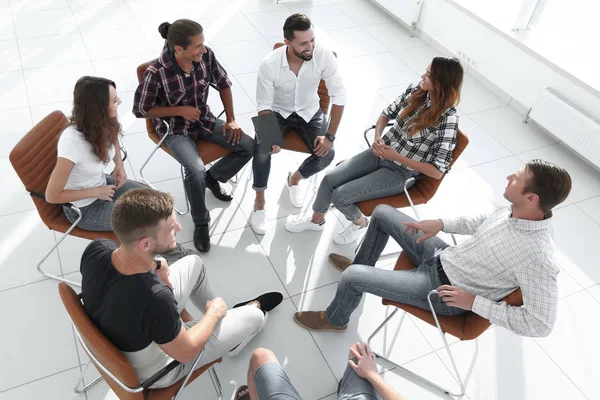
(63,236)
(147,383)
(389,317)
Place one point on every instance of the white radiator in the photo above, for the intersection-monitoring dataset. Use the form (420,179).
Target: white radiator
(406,11)
(569,123)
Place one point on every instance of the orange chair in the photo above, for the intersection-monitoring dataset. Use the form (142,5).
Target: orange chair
(34,158)
(114,367)
(423,189)
(467,326)
(209,152)
(292,140)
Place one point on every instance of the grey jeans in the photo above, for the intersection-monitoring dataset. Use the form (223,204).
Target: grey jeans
(408,287)
(308,131)
(362,177)
(185,151)
(96,216)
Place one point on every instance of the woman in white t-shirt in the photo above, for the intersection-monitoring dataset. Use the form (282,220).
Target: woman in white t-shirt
(84,150)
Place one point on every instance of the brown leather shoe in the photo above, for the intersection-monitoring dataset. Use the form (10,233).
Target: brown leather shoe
(316,321)
(339,262)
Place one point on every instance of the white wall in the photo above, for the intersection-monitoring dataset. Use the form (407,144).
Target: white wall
(516,71)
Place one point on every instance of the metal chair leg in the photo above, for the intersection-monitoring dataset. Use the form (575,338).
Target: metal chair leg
(55,247)
(85,388)
(147,182)
(215,380)
(413,374)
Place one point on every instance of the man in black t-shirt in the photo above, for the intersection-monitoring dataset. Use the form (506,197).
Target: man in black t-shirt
(136,301)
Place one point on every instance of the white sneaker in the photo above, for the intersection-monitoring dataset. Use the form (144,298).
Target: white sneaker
(303,224)
(258,222)
(350,234)
(295,193)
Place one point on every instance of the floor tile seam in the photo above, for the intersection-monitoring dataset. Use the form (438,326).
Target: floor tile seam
(40,378)
(483,163)
(535,340)
(12,20)
(486,131)
(405,64)
(323,355)
(519,154)
(578,202)
(264,11)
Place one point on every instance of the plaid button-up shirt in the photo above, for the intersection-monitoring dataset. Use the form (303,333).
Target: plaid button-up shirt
(165,84)
(432,145)
(504,254)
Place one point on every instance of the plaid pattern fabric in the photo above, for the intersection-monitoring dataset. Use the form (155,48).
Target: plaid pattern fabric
(165,84)
(504,254)
(432,145)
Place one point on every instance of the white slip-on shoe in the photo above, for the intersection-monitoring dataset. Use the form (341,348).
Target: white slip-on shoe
(241,346)
(302,224)
(296,195)
(258,222)
(350,234)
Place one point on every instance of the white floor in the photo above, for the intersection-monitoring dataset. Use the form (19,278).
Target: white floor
(46,45)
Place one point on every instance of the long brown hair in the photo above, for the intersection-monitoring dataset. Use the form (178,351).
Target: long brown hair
(446,76)
(90,114)
(179,32)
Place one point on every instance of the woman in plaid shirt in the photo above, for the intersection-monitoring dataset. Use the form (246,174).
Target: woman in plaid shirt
(420,142)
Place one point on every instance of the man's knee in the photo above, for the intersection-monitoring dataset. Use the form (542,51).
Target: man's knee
(327,159)
(261,357)
(196,170)
(351,275)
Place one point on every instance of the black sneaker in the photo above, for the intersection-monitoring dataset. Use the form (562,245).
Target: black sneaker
(268,301)
(217,190)
(202,238)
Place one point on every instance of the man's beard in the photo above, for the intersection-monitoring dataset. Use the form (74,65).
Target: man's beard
(302,57)
(163,249)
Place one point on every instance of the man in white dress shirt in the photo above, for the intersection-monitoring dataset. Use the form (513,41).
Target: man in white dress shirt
(508,249)
(287,84)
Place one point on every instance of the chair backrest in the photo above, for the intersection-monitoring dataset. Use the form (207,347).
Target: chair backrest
(324,99)
(149,125)
(427,185)
(466,326)
(34,158)
(106,353)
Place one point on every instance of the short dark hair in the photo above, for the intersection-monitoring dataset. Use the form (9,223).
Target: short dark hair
(138,212)
(179,32)
(295,22)
(550,182)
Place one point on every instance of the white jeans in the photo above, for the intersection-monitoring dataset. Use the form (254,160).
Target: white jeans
(189,277)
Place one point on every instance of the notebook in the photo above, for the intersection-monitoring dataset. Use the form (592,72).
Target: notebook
(267,131)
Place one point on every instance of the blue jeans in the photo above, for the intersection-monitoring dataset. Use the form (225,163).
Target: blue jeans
(317,126)
(408,287)
(362,177)
(96,216)
(185,151)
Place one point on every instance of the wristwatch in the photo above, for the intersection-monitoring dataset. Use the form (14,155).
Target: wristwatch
(330,137)
(158,263)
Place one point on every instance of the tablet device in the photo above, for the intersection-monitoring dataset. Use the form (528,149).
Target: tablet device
(267,131)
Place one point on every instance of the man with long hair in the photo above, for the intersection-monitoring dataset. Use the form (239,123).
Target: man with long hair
(174,89)
(508,249)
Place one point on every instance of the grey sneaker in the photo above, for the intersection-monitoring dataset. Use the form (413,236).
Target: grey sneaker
(177,253)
